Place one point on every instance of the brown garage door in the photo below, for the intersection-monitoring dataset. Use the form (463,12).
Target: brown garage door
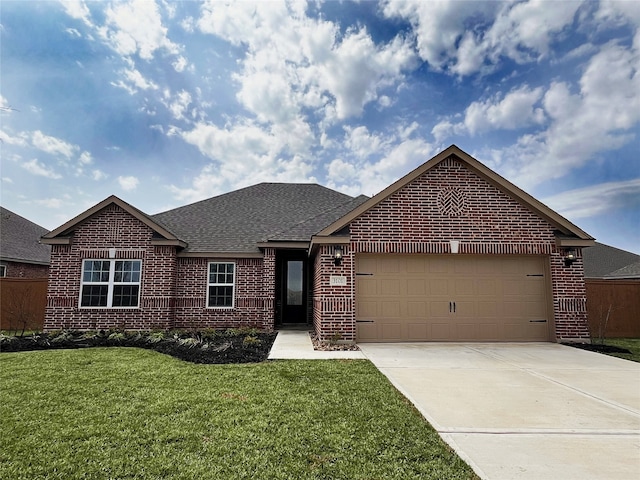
(402,298)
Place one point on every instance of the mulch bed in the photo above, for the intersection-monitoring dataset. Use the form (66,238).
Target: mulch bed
(218,348)
(598,347)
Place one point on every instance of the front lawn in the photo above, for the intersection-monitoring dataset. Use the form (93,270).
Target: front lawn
(631,344)
(133,413)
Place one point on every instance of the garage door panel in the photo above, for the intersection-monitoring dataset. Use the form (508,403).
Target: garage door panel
(367,309)
(487,309)
(438,287)
(466,332)
(452,298)
(440,331)
(417,310)
(391,331)
(417,287)
(464,286)
(418,331)
(367,286)
(391,308)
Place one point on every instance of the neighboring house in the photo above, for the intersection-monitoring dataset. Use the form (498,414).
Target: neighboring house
(450,252)
(21,253)
(24,267)
(612,278)
(606,262)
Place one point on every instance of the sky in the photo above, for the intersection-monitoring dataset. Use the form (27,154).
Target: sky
(165,103)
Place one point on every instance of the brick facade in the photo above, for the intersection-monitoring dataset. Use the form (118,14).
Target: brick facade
(252,303)
(173,289)
(25,270)
(448,201)
(112,228)
(419,219)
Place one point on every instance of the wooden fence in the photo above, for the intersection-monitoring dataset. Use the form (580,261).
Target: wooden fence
(22,303)
(620,300)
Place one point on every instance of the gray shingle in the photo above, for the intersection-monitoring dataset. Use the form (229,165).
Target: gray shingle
(602,260)
(19,239)
(237,221)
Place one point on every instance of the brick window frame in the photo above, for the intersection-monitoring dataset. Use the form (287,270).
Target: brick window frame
(122,284)
(221,285)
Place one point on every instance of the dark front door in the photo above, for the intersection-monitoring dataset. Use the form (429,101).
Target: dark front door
(292,291)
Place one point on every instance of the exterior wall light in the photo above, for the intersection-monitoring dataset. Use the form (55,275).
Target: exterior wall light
(337,255)
(570,256)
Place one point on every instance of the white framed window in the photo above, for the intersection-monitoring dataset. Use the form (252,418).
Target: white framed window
(110,284)
(221,285)
(3,271)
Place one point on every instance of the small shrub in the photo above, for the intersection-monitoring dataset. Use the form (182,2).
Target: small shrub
(251,340)
(6,339)
(61,336)
(189,342)
(156,337)
(117,337)
(335,338)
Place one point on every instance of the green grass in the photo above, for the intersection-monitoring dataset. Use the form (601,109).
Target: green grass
(132,413)
(631,344)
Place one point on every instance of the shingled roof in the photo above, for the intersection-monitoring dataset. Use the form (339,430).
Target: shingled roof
(601,261)
(19,240)
(236,222)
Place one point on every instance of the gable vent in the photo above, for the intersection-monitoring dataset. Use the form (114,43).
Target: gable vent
(452,201)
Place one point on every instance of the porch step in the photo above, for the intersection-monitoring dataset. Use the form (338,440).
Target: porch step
(296,344)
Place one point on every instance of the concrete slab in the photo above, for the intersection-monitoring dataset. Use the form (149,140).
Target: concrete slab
(524,411)
(566,457)
(296,344)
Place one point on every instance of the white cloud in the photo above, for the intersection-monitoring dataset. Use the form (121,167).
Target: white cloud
(98,175)
(518,108)
(77,9)
(85,158)
(49,202)
(596,199)
(37,168)
(128,183)
(52,145)
(295,62)
(20,140)
(135,27)
(372,161)
(7,180)
(599,117)
(180,105)
(520,31)
(133,81)
(243,154)
(180,64)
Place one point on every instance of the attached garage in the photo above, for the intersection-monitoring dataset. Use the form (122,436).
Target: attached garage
(403,298)
(450,252)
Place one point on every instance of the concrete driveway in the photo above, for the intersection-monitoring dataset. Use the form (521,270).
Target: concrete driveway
(524,411)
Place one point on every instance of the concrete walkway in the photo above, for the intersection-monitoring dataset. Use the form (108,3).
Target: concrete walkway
(524,411)
(296,344)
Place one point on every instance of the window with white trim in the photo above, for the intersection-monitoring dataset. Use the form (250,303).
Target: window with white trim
(3,271)
(221,285)
(110,284)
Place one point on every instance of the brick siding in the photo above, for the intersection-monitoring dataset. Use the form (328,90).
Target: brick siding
(417,219)
(165,302)
(252,302)
(25,270)
(112,227)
